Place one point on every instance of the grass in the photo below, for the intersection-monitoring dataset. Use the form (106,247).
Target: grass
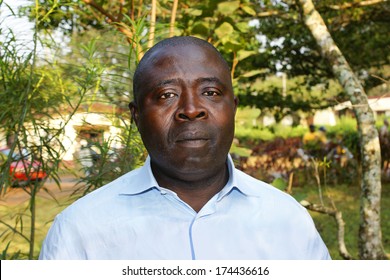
(17,216)
(347,200)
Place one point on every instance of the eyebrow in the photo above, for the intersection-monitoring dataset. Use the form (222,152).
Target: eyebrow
(167,82)
(209,79)
(198,81)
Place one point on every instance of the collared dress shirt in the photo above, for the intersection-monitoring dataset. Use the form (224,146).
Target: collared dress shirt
(134,218)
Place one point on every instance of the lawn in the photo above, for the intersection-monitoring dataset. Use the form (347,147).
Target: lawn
(347,200)
(18,216)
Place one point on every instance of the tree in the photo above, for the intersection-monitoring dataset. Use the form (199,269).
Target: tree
(359,29)
(30,94)
(370,245)
(36,91)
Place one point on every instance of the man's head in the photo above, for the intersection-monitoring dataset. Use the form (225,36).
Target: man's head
(184,107)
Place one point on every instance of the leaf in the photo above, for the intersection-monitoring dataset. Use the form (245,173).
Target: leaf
(248,10)
(254,73)
(201,28)
(299,197)
(242,54)
(193,12)
(224,30)
(228,8)
(230,45)
(279,183)
(243,27)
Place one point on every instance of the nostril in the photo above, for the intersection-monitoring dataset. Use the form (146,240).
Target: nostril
(201,115)
(183,117)
(190,116)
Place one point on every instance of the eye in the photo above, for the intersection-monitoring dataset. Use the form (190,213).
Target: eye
(167,95)
(211,93)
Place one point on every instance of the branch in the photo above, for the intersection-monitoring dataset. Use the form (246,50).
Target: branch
(14,230)
(110,18)
(345,6)
(274,13)
(269,13)
(120,14)
(337,215)
(120,26)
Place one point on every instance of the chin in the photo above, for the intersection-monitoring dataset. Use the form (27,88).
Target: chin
(197,164)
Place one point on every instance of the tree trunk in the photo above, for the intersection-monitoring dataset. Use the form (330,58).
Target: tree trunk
(173,18)
(152,24)
(370,238)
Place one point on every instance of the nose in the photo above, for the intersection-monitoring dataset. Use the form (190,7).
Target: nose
(190,108)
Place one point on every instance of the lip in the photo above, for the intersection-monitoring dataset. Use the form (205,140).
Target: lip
(192,139)
(192,143)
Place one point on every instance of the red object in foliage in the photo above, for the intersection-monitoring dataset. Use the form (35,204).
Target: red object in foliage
(23,171)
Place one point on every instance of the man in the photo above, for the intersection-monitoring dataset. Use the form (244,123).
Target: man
(314,142)
(187,201)
(310,136)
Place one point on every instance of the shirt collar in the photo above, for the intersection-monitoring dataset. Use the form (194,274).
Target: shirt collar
(138,181)
(237,181)
(142,180)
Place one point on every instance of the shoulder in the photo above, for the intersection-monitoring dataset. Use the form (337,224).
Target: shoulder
(268,197)
(103,199)
(255,186)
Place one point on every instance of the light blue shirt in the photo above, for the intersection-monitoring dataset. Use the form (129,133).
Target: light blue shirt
(135,218)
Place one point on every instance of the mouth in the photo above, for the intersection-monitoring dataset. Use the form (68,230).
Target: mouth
(192,139)
(198,143)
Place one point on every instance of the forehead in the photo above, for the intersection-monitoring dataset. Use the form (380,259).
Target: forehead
(185,61)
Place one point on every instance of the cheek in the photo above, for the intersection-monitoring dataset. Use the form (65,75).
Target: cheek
(223,116)
(154,126)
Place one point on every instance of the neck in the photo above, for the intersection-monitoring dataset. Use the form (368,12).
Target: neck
(195,193)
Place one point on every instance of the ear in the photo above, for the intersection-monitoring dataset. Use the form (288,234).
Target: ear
(236,101)
(134,112)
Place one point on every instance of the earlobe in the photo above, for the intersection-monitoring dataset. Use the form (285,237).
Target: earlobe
(236,101)
(134,112)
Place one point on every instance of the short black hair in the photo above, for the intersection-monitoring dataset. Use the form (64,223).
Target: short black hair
(170,42)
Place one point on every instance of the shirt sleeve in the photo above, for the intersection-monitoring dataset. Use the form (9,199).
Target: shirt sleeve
(61,242)
(316,248)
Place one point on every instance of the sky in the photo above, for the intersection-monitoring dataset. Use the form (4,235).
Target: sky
(21,27)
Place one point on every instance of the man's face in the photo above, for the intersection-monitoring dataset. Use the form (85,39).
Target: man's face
(185,111)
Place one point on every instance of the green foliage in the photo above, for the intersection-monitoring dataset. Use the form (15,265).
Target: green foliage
(234,27)
(9,256)
(281,97)
(223,23)
(33,94)
(110,163)
(249,127)
(280,184)
(347,198)
(64,14)
(345,131)
(359,31)
(39,97)
(246,134)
